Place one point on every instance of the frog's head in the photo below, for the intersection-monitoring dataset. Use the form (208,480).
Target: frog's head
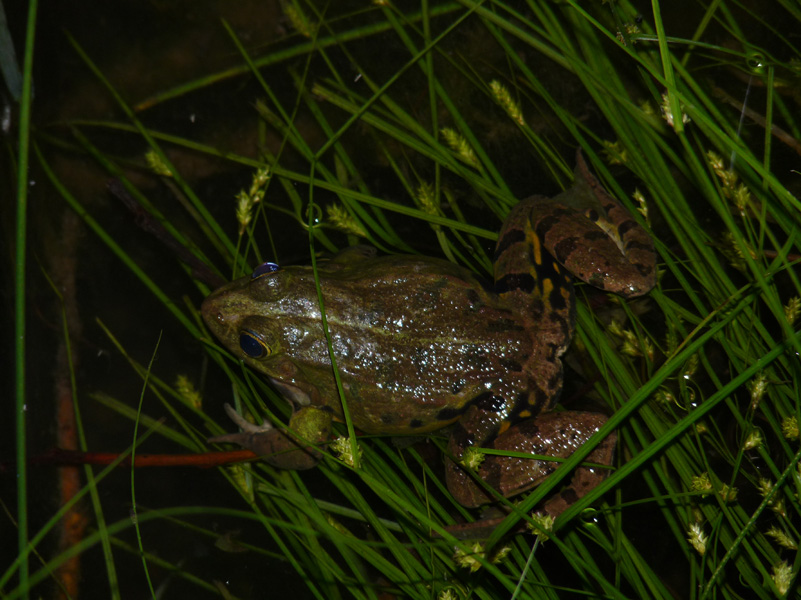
(271,320)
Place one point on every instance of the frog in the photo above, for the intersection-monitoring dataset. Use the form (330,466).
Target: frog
(422,344)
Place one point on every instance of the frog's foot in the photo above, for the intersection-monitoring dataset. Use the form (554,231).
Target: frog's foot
(552,434)
(273,445)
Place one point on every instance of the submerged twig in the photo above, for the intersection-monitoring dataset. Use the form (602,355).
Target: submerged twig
(146,222)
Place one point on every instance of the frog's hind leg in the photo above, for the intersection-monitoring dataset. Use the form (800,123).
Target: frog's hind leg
(531,282)
(527,276)
(557,435)
(595,237)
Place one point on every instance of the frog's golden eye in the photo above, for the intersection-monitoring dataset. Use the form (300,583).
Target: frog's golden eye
(264,269)
(252,345)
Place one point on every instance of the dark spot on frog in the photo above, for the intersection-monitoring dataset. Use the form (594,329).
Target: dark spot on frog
(625,227)
(456,386)
(460,436)
(640,246)
(503,325)
(510,238)
(415,423)
(515,281)
(536,400)
(644,270)
(557,299)
(536,308)
(485,402)
(511,365)
(637,245)
(449,414)
(388,418)
(554,350)
(594,236)
(429,295)
(546,224)
(489,402)
(565,248)
(474,300)
(527,403)
(569,496)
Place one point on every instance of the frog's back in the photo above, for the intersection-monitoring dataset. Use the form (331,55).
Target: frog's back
(416,340)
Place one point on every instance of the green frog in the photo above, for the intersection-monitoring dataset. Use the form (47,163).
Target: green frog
(421,343)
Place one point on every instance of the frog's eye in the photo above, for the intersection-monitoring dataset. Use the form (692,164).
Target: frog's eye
(252,345)
(264,269)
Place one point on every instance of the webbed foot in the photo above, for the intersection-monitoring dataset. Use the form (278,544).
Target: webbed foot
(274,445)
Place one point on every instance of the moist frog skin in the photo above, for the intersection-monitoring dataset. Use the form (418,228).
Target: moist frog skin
(420,343)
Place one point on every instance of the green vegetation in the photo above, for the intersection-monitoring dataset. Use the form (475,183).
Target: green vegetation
(456,108)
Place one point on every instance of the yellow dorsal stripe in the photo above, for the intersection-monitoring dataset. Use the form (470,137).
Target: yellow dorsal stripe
(534,242)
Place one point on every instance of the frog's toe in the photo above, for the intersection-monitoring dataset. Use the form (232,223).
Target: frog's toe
(245,425)
(272,445)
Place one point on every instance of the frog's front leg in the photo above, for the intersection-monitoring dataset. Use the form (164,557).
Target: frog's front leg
(278,448)
(556,434)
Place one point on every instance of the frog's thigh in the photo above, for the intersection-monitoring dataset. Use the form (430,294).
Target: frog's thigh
(551,434)
(557,434)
